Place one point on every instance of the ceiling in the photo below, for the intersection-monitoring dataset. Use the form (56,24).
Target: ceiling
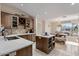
(47,11)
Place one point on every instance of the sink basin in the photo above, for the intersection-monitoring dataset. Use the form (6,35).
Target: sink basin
(12,38)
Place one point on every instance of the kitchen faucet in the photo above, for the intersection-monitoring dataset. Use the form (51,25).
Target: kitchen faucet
(2,30)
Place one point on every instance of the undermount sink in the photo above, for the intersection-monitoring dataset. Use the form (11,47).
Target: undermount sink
(12,38)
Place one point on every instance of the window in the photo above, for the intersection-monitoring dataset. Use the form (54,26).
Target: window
(67,26)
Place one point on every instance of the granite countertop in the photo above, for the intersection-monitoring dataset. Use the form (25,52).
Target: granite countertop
(13,45)
(22,34)
(46,36)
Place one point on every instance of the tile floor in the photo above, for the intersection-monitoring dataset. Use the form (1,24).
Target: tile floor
(71,48)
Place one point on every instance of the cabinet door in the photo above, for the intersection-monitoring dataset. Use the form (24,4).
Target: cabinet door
(6,19)
(24,36)
(45,44)
(28,37)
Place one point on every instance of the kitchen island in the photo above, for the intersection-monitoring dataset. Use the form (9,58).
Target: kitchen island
(45,43)
(17,47)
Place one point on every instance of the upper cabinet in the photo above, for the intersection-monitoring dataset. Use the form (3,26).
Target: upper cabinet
(6,19)
(16,19)
(17,22)
(27,23)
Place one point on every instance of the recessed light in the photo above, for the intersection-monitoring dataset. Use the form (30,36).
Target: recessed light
(45,12)
(22,5)
(73,4)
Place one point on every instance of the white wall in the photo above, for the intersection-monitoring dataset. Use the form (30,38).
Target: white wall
(43,26)
(51,26)
(48,26)
(40,26)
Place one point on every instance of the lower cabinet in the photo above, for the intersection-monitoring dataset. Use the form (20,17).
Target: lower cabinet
(29,37)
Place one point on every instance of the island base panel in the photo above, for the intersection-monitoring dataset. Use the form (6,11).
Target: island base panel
(27,51)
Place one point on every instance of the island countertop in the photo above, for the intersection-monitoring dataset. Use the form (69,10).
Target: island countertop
(13,45)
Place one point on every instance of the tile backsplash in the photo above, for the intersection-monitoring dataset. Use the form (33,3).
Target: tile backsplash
(16,31)
(20,29)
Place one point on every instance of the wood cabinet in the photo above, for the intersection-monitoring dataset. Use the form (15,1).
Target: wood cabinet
(16,22)
(45,44)
(30,37)
(27,51)
(6,19)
